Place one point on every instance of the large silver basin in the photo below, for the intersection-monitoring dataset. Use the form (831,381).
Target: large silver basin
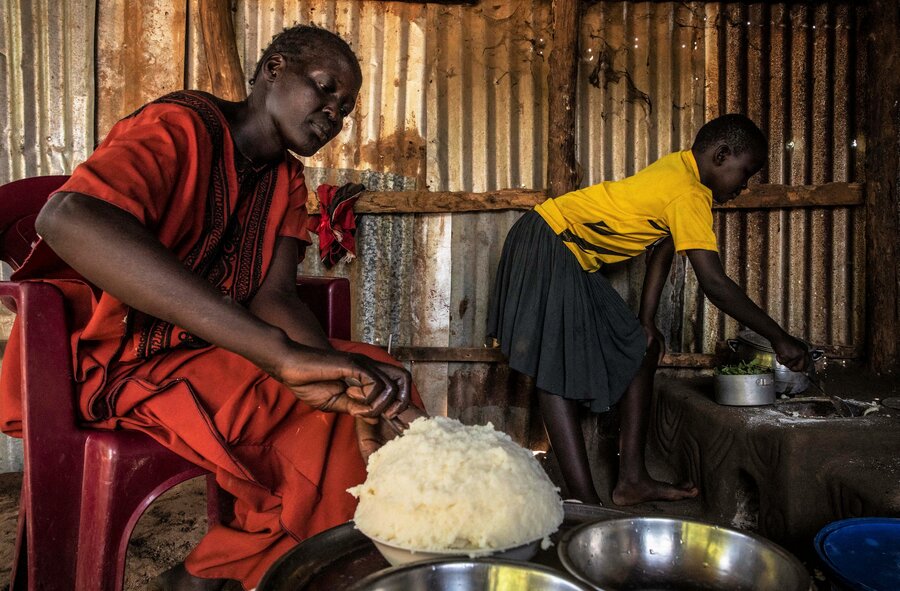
(469,575)
(650,553)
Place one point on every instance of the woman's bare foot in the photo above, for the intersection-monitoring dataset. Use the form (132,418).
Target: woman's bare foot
(647,489)
(178,578)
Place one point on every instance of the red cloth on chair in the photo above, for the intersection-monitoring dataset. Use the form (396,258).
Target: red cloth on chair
(335,224)
(172,165)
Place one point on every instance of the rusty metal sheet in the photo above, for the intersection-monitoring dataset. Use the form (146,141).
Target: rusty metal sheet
(493,393)
(140,55)
(47,92)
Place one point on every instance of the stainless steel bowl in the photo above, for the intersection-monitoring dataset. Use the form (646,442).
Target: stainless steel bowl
(665,553)
(469,575)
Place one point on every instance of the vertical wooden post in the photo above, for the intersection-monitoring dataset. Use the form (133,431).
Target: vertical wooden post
(219,44)
(562,175)
(882,187)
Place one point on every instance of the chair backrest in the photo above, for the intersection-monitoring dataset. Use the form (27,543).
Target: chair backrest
(20,202)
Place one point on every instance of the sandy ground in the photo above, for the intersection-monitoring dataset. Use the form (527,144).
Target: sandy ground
(166,532)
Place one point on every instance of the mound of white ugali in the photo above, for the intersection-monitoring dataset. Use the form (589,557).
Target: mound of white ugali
(444,485)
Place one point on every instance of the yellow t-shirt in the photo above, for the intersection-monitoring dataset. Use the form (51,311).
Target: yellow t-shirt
(617,220)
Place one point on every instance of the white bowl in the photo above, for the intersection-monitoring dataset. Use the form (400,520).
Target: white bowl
(397,555)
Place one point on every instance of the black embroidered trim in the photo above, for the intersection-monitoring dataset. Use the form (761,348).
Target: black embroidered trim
(229,254)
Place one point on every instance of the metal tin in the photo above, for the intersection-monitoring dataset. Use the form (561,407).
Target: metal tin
(745,390)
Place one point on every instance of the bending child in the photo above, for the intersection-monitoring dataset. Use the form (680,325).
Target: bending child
(176,245)
(561,322)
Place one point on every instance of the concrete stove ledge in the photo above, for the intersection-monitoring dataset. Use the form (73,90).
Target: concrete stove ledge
(782,470)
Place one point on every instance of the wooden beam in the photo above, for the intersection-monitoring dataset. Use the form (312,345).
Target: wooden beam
(449,354)
(883,184)
(377,202)
(494,355)
(757,197)
(562,172)
(219,44)
(778,196)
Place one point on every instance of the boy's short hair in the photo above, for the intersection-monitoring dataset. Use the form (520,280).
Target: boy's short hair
(301,41)
(737,131)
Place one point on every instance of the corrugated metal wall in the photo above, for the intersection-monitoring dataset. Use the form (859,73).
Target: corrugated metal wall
(455,98)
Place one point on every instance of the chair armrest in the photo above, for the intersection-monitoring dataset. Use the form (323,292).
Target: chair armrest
(328,299)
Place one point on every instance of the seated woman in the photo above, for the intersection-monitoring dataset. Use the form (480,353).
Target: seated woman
(176,245)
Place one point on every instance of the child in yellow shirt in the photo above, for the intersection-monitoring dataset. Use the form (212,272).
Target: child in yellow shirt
(562,323)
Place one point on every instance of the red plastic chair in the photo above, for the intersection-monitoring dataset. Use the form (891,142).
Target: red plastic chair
(84,490)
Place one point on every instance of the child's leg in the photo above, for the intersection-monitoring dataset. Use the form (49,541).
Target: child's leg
(564,430)
(635,484)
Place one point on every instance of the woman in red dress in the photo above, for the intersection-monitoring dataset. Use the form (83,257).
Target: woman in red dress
(176,244)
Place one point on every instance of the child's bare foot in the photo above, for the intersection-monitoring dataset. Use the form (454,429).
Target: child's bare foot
(647,489)
(178,579)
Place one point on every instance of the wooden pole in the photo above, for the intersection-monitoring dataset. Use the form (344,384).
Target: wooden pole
(219,43)
(882,187)
(562,174)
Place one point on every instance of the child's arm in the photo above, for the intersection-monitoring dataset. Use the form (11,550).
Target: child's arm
(728,297)
(114,251)
(659,262)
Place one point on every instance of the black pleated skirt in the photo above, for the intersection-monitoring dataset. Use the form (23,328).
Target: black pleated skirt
(565,327)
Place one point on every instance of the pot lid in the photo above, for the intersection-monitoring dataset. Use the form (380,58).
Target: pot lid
(755,340)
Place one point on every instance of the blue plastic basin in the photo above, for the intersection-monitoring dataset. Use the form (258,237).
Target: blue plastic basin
(862,554)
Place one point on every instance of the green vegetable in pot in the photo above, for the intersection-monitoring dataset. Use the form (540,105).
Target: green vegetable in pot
(743,368)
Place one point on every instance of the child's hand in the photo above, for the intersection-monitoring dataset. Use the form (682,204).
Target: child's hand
(338,382)
(792,353)
(654,336)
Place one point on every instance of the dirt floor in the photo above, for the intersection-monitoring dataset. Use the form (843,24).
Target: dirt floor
(165,534)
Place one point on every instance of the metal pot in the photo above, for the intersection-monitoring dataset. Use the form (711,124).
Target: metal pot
(753,348)
(745,390)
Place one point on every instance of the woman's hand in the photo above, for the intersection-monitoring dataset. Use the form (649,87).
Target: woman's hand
(372,436)
(332,381)
(655,336)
